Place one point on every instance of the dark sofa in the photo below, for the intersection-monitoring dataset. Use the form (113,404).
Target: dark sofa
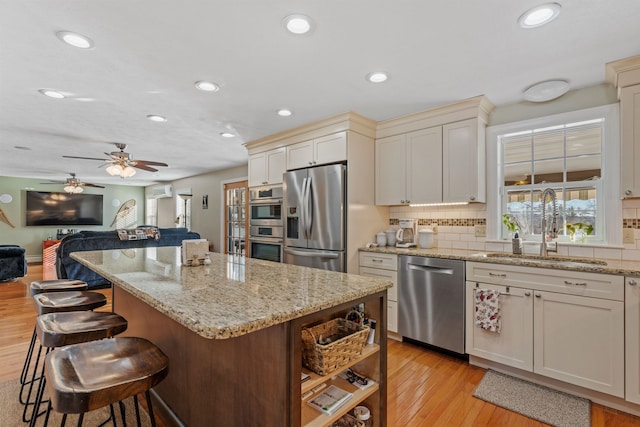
(13,263)
(67,268)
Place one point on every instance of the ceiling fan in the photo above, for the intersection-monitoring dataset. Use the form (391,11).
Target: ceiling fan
(121,162)
(73,184)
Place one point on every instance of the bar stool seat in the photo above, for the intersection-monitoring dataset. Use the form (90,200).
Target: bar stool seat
(88,376)
(60,329)
(58,302)
(57,285)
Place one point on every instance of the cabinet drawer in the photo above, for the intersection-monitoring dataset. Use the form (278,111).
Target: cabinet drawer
(376,260)
(392,293)
(544,279)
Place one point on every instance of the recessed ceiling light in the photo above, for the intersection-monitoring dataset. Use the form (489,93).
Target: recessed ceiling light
(227,134)
(156,118)
(539,15)
(207,86)
(297,24)
(75,39)
(84,99)
(284,112)
(546,91)
(377,77)
(51,93)
(21,147)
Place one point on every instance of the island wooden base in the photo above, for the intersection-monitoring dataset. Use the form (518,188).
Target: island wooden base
(250,380)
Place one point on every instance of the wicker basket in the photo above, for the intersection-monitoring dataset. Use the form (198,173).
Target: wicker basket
(326,358)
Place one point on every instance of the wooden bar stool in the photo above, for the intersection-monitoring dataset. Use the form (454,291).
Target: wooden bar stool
(68,328)
(88,376)
(37,287)
(56,302)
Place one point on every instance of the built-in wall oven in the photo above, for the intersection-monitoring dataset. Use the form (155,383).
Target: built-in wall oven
(265,223)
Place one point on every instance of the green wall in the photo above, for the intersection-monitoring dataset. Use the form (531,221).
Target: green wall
(31,238)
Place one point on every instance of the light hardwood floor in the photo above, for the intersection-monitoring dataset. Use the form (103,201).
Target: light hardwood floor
(425,388)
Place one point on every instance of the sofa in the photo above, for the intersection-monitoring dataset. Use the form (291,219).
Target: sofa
(13,262)
(68,268)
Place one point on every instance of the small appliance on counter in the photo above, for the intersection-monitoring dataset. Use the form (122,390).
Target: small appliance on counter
(425,238)
(406,235)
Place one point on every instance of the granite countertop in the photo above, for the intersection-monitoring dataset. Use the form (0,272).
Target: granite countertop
(232,296)
(605,266)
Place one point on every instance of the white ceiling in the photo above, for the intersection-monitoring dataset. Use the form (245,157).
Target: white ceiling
(148,54)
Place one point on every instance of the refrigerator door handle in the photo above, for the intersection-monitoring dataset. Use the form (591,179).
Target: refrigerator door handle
(321,254)
(309,209)
(303,209)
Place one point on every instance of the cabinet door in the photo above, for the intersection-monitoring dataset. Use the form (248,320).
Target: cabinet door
(463,160)
(391,182)
(513,346)
(424,166)
(580,340)
(300,155)
(330,148)
(275,161)
(630,134)
(257,170)
(632,339)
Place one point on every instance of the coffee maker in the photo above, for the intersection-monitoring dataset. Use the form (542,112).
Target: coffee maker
(406,234)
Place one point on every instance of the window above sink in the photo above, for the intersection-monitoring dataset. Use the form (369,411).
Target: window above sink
(577,155)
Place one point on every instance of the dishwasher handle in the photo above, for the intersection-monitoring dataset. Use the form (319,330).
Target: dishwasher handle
(429,269)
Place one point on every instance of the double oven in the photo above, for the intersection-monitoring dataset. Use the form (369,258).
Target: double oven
(265,223)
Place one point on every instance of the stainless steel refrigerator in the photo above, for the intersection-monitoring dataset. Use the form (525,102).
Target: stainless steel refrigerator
(314,207)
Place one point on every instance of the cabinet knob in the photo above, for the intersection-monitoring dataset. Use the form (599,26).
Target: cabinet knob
(527,294)
(538,295)
(472,198)
(632,282)
(627,192)
(407,201)
(310,163)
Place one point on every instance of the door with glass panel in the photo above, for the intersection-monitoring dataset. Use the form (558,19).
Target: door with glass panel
(236,219)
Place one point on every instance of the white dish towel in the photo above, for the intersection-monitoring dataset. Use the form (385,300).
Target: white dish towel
(487,310)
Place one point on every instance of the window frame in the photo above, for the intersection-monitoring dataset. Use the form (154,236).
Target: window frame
(608,188)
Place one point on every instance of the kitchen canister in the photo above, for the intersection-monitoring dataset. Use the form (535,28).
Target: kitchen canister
(425,238)
(363,415)
(381,239)
(391,237)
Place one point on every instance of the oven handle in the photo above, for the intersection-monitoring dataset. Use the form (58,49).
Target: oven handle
(265,202)
(265,240)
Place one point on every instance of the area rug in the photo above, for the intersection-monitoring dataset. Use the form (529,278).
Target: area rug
(534,401)
(11,411)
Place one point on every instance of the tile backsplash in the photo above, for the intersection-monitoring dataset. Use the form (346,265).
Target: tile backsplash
(456,230)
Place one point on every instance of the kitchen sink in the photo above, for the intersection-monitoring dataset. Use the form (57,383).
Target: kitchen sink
(544,259)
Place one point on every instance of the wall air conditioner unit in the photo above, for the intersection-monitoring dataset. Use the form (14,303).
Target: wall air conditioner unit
(161,191)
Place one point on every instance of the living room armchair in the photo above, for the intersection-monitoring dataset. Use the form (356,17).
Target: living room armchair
(13,262)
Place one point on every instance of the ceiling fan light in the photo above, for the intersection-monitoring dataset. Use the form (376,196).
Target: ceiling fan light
(73,189)
(127,172)
(114,170)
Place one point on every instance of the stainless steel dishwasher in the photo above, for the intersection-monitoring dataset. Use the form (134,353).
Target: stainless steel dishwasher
(431,301)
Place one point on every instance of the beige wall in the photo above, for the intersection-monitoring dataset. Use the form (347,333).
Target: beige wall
(207,222)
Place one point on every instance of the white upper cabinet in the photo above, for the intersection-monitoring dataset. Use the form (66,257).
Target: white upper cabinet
(463,160)
(267,167)
(436,156)
(318,151)
(625,75)
(406,171)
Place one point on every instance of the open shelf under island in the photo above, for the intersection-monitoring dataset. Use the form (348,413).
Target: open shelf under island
(232,331)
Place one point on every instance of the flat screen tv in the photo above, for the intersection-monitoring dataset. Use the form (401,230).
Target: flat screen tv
(45,208)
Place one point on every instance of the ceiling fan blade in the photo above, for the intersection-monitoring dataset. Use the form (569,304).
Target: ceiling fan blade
(150,163)
(84,158)
(86,184)
(53,182)
(144,167)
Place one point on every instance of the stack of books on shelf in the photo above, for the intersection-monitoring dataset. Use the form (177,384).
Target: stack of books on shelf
(330,400)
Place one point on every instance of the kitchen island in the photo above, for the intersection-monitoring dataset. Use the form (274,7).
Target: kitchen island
(232,331)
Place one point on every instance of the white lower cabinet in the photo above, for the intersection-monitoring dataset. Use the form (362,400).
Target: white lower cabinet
(562,335)
(632,338)
(384,266)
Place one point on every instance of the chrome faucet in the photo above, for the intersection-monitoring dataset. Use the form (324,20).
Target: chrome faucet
(549,192)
